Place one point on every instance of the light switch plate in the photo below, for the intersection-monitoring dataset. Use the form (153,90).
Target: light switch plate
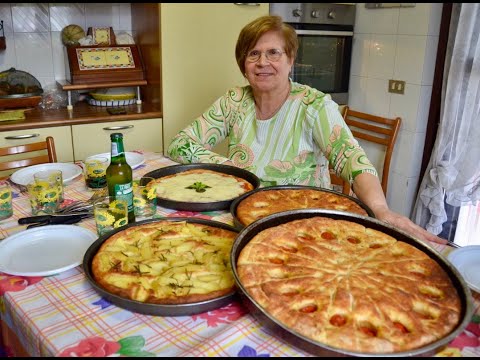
(396,86)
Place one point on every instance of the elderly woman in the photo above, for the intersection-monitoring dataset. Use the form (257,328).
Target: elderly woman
(282,131)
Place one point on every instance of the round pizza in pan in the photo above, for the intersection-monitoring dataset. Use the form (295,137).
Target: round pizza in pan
(166,262)
(349,286)
(266,202)
(201,186)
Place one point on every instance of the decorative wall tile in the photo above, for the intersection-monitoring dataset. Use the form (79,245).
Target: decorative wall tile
(382,56)
(102,15)
(125,17)
(357,92)
(376,21)
(406,106)
(397,188)
(34,53)
(360,54)
(30,17)
(377,98)
(6,16)
(62,15)
(429,60)
(33,33)
(59,56)
(423,108)
(435,19)
(409,58)
(8,57)
(414,20)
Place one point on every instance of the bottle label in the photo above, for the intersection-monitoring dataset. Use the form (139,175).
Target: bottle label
(125,191)
(116,150)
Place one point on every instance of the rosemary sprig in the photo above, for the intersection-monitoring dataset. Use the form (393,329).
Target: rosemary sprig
(198,186)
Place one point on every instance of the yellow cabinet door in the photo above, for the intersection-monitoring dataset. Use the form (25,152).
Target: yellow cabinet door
(91,139)
(61,134)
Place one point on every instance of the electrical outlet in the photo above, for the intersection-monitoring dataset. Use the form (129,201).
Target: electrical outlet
(396,86)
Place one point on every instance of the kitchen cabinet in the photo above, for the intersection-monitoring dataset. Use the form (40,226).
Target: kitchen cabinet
(196,45)
(61,134)
(90,139)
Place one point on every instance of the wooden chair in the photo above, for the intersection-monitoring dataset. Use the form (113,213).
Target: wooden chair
(31,154)
(376,129)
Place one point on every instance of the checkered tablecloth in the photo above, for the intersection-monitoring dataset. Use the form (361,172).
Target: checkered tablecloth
(62,315)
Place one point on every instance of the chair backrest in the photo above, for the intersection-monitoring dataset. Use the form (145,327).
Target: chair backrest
(31,156)
(372,128)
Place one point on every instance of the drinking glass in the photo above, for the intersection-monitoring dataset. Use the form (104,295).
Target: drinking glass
(96,172)
(144,198)
(44,196)
(48,177)
(109,213)
(6,209)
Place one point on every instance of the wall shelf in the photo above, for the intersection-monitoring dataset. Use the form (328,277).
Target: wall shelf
(68,87)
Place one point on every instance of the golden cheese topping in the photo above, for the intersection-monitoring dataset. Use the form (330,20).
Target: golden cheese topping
(166,262)
(201,186)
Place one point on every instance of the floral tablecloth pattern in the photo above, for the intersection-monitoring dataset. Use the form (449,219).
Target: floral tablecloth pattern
(62,315)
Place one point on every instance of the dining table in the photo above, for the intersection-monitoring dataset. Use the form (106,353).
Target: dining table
(63,315)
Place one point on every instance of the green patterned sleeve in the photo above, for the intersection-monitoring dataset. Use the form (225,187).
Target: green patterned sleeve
(345,155)
(194,143)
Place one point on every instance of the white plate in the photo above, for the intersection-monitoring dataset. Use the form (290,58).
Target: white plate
(467,261)
(133,159)
(25,175)
(45,250)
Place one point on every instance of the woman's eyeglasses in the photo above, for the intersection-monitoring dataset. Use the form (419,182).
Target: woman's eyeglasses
(271,54)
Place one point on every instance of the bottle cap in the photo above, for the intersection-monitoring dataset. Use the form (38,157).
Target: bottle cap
(116,136)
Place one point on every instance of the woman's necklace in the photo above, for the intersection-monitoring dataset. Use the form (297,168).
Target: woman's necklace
(265,116)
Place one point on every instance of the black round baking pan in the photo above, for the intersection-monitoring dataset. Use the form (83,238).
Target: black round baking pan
(238,200)
(276,328)
(155,309)
(201,206)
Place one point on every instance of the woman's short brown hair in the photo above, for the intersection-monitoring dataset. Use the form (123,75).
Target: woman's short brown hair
(250,34)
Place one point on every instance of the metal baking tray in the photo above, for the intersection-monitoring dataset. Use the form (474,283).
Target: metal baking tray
(276,328)
(237,201)
(201,206)
(155,309)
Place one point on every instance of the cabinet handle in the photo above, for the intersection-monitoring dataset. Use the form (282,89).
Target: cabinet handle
(248,4)
(121,127)
(19,137)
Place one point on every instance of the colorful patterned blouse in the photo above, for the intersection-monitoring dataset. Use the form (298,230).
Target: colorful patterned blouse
(293,147)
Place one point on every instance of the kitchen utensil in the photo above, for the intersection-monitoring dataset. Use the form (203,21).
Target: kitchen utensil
(42,220)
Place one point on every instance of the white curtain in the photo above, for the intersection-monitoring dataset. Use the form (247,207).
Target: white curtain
(453,172)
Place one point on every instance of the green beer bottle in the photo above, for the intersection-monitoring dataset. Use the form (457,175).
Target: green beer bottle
(119,175)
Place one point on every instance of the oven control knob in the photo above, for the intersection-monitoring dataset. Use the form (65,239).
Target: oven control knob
(316,14)
(297,12)
(331,15)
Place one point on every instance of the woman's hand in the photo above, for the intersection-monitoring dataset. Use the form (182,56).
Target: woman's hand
(368,189)
(403,223)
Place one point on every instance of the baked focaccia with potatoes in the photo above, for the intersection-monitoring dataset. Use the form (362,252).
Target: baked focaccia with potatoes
(166,262)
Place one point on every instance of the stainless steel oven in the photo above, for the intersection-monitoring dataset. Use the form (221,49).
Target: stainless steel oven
(325,33)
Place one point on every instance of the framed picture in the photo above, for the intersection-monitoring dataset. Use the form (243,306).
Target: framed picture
(95,64)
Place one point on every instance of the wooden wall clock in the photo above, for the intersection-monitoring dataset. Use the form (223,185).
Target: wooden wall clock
(97,64)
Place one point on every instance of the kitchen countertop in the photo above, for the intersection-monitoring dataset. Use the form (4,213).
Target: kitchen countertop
(82,113)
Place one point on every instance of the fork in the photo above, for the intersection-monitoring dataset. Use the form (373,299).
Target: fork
(83,205)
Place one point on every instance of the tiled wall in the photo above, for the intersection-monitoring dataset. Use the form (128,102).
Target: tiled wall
(400,44)
(33,33)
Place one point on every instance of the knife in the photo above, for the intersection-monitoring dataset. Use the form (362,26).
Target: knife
(52,219)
